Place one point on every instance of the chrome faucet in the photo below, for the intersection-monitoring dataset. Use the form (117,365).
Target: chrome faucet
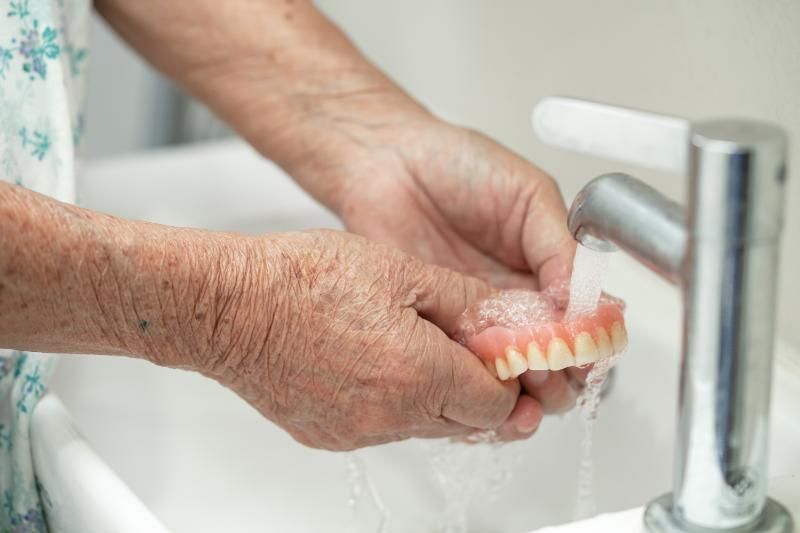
(722,250)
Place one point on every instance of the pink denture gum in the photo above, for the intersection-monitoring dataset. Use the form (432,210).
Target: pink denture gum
(519,330)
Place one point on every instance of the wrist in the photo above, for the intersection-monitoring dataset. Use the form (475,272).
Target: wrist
(74,281)
(239,310)
(177,297)
(148,281)
(214,296)
(308,101)
(358,137)
(326,126)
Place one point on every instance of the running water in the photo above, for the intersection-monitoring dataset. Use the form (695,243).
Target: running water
(588,404)
(465,471)
(358,479)
(588,271)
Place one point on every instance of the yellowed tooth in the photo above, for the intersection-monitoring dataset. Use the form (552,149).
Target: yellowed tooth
(516,361)
(503,372)
(491,368)
(585,349)
(558,355)
(536,359)
(619,337)
(604,345)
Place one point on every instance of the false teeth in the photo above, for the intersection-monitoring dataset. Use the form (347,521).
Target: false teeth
(536,359)
(559,355)
(519,330)
(585,349)
(604,345)
(516,361)
(619,337)
(503,372)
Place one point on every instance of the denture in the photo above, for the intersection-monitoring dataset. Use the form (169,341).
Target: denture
(516,331)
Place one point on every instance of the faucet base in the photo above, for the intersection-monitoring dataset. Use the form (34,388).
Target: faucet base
(658,518)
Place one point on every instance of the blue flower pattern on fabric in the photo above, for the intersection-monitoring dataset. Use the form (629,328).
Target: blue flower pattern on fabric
(38,142)
(24,380)
(5,437)
(35,45)
(77,56)
(32,521)
(32,388)
(43,55)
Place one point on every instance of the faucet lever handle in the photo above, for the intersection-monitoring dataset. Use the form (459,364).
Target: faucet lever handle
(646,139)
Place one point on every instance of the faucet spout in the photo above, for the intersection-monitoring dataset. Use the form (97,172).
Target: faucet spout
(619,211)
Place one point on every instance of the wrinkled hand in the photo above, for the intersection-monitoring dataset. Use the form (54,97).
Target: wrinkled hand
(455,198)
(341,341)
(354,352)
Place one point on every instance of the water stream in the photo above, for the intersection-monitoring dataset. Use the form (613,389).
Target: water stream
(364,496)
(589,270)
(463,471)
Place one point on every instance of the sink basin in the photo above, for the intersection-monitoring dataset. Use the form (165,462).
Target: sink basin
(203,461)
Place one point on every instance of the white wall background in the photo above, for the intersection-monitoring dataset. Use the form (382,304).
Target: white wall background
(484,63)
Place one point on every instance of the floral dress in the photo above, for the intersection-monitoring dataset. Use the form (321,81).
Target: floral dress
(42,74)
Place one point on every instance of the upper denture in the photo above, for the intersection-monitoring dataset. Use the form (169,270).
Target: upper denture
(511,349)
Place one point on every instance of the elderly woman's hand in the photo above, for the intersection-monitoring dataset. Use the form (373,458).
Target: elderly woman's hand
(344,344)
(462,201)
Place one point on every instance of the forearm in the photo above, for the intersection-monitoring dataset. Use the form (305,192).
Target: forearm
(278,71)
(75,281)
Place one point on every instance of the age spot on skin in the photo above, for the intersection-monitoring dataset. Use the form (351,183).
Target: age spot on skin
(516,331)
(143,324)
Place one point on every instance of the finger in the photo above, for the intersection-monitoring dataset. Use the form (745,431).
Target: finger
(441,429)
(523,421)
(442,295)
(510,280)
(465,392)
(548,246)
(554,392)
(579,374)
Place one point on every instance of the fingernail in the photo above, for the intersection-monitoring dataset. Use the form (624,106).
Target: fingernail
(527,429)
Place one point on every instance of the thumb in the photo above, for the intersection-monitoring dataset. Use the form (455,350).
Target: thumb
(442,295)
(462,391)
(470,395)
(547,244)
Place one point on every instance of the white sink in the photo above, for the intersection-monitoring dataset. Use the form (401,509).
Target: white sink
(203,461)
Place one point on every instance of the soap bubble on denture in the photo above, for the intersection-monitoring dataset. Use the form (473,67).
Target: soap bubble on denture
(516,308)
